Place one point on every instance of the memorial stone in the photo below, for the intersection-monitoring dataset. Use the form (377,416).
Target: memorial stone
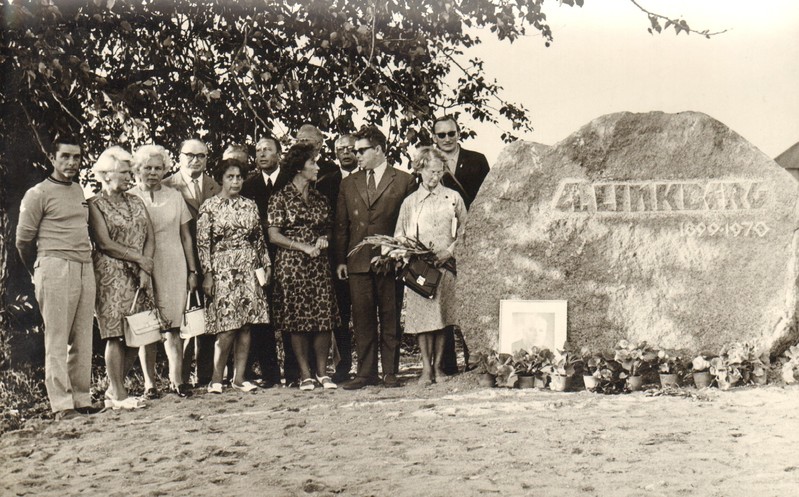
(669,228)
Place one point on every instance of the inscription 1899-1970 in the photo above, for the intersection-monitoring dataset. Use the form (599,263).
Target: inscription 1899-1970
(659,196)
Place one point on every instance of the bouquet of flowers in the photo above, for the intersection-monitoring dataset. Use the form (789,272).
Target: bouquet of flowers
(396,252)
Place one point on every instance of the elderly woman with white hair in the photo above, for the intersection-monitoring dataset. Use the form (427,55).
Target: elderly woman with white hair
(123,262)
(175,271)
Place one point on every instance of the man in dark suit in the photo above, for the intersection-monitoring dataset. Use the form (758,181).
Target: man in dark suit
(196,187)
(263,346)
(468,168)
(368,204)
(466,171)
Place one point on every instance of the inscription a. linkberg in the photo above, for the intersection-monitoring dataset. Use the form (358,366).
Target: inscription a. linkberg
(659,196)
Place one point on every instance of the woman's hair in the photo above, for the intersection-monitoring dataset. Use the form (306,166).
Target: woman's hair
(224,165)
(145,152)
(292,163)
(425,156)
(110,160)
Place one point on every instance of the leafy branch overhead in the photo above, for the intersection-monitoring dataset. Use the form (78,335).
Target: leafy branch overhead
(127,71)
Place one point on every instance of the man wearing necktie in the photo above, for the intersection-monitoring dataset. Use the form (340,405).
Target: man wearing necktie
(196,187)
(259,188)
(368,204)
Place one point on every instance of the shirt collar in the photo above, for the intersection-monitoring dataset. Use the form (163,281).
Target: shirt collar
(272,176)
(187,177)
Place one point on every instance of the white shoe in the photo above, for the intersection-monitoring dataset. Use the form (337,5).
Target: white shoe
(326,383)
(214,388)
(244,387)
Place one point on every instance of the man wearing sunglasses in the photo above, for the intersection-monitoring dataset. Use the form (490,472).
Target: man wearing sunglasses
(196,187)
(468,168)
(368,204)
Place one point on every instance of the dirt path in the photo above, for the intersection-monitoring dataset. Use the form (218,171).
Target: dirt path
(450,439)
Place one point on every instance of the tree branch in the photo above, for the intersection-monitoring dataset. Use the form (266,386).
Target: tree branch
(679,25)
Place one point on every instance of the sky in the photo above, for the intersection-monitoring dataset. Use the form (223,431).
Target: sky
(603,60)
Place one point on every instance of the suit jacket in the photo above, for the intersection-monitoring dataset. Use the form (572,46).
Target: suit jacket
(356,218)
(255,188)
(209,189)
(470,172)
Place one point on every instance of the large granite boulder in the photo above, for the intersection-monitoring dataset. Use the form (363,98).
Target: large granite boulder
(669,228)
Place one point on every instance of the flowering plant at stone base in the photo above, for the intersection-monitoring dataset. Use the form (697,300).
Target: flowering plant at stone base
(732,364)
(396,252)
(700,364)
(506,371)
(634,358)
(532,362)
(790,368)
(486,363)
(670,362)
(605,369)
(564,363)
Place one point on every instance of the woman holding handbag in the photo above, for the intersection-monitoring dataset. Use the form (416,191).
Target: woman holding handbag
(236,265)
(123,264)
(434,215)
(175,273)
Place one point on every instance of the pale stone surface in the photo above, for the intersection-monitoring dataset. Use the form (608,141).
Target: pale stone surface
(669,228)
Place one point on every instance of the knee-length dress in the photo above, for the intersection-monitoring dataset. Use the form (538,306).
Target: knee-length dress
(303,296)
(428,216)
(117,280)
(230,242)
(168,212)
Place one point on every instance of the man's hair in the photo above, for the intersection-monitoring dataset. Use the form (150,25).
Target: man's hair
(235,148)
(187,140)
(374,135)
(312,130)
(66,139)
(444,118)
(273,140)
(345,136)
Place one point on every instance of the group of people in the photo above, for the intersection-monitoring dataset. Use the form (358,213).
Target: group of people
(270,253)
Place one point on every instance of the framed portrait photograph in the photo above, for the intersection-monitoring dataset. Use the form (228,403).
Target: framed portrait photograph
(527,323)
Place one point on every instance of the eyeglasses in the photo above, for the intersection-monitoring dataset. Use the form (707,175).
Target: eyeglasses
(450,134)
(194,156)
(362,150)
(345,149)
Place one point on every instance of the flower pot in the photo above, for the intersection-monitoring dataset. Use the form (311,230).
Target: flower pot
(540,381)
(669,380)
(726,383)
(760,380)
(590,382)
(634,383)
(526,381)
(486,380)
(702,379)
(558,383)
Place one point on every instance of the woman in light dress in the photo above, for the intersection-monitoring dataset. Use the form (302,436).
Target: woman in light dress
(175,270)
(435,215)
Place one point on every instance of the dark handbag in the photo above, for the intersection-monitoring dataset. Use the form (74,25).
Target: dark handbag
(421,277)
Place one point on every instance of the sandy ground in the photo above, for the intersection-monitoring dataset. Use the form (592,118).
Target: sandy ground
(449,439)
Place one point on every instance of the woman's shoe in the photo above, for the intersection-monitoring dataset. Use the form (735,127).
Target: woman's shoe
(244,387)
(150,394)
(307,384)
(182,390)
(326,383)
(215,388)
(127,403)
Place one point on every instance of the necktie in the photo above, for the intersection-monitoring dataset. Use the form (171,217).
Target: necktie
(371,187)
(269,185)
(197,193)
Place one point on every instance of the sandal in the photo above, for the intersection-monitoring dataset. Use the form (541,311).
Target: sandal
(326,383)
(244,387)
(214,388)
(307,384)
(126,403)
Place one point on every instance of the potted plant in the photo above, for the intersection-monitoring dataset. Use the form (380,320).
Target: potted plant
(602,373)
(522,361)
(506,371)
(790,368)
(540,364)
(486,368)
(730,366)
(699,369)
(593,363)
(635,359)
(671,368)
(561,370)
(759,369)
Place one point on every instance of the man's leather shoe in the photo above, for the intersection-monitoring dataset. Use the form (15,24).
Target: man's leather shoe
(390,381)
(357,383)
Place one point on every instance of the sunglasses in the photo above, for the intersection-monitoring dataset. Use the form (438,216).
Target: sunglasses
(194,156)
(362,150)
(450,134)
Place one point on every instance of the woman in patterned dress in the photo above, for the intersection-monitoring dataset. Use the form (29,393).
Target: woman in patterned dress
(175,271)
(434,214)
(231,246)
(123,263)
(300,223)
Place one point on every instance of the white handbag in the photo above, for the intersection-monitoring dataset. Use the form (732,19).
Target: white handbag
(193,318)
(141,328)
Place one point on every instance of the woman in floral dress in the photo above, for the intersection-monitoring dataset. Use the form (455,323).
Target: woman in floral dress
(435,215)
(123,263)
(231,247)
(300,222)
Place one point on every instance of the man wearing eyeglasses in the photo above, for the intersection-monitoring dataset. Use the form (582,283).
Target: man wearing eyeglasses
(196,187)
(466,171)
(468,168)
(368,204)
